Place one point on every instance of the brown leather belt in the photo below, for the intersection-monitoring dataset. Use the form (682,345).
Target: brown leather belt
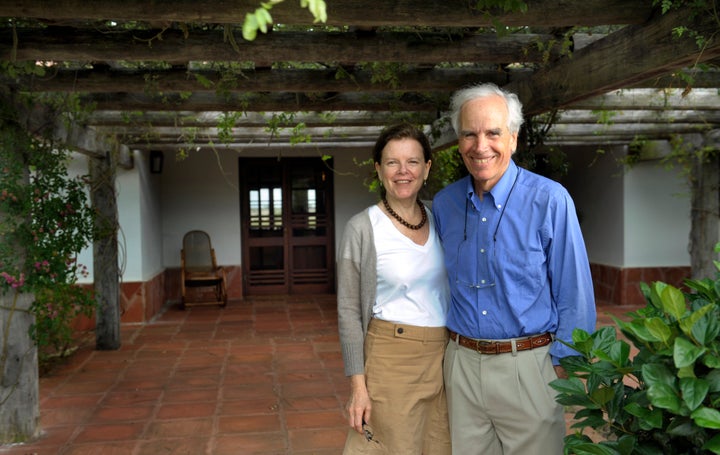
(502,347)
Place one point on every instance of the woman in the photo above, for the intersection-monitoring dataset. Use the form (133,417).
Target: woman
(392,303)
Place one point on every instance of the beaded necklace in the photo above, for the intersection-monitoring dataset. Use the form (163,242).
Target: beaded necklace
(414,227)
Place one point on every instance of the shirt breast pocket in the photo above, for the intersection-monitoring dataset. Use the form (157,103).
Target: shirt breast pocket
(521,273)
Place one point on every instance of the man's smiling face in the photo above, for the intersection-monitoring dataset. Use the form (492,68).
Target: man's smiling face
(485,143)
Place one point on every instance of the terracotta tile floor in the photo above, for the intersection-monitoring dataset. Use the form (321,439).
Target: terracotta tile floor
(261,376)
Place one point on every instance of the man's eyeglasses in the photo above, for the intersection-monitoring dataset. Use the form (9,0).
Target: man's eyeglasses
(463,249)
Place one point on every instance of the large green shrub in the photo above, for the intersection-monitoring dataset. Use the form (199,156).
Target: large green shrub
(662,396)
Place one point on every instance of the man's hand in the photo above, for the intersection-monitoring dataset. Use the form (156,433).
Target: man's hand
(560,372)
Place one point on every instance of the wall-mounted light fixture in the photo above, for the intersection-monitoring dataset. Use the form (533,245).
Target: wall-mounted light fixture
(156,161)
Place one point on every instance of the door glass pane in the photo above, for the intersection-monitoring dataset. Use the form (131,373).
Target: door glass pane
(308,213)
(265,203)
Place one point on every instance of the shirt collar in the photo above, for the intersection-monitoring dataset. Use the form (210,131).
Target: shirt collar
(501,190)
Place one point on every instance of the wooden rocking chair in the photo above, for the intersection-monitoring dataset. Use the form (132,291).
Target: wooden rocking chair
(203,282)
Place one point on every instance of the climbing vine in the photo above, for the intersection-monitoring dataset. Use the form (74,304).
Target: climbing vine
(45,221)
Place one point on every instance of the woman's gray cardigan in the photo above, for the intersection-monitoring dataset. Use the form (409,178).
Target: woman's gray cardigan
(357,285)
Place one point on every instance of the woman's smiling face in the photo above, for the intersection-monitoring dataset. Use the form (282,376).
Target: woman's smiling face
(402,169)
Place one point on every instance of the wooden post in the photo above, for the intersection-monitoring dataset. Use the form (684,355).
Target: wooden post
(19,373)
(705,207)
(19,391)
(106,270)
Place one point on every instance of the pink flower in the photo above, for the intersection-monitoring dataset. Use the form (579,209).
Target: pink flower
(12,281)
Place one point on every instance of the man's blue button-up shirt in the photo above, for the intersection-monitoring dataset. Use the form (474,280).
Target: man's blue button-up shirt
(516,260)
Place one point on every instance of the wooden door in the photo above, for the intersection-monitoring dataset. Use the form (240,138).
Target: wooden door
(287,226)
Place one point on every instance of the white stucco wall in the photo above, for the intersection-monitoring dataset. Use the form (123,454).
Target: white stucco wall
(630,218)
(130,216)
(351,195)
(140,254)
(657,216)
(150,251)
(201,192)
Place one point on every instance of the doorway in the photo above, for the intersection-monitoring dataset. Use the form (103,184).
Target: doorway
(286,208)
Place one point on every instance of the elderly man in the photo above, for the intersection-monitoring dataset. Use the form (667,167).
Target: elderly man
(520,279)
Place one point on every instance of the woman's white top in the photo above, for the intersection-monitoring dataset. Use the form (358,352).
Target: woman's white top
(412,284)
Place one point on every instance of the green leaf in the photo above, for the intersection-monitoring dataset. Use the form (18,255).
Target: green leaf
(693,391)
(707,418)
(654,292)
(664,396)
(626,444)
(713,380)
(647,418)
(318,8)
(614,406)
(572,392)
(713,445)
(686,372)
(582,342)
(659,329)
(602,395)
(263,19)
(571,385)
(593,418)
(707,329)
(637,329)
(685,353)
(250,27)
(575,364)
(673,302)
(604,337)
(687,324)
(593,449)
(657,373)
(682,426)
(620,353)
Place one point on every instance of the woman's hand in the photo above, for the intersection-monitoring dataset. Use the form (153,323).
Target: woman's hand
(358,406)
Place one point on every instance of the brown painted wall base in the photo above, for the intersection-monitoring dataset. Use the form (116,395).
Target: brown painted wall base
(621,286)
(141,301)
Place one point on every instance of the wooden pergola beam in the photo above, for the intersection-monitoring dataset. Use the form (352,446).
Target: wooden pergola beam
(262,102)
(105,80)
(174,45)
(621,59)
(182,119)
(437,13)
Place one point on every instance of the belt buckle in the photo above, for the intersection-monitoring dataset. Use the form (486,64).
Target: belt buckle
(485,345)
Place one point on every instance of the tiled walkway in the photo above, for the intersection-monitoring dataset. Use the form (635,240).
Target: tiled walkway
(261,376)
